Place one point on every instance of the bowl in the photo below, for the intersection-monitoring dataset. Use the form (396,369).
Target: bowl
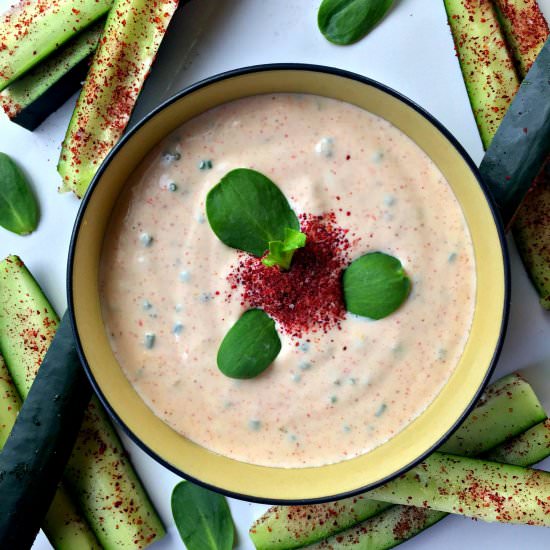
(290,485)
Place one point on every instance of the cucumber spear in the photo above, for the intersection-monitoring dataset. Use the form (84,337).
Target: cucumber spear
(507,408)
(132,36)
(487,66)
(518,132)
(531,231)
(9,403)
(400,523)
(39,92)
(63,525)
(98,472)
(33,457)
(522,142)
(30,31)
(526,31)
(473,487)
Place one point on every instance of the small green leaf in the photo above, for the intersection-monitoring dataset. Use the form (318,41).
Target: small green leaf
(18,206)
(293,240)
(246,210)
(202,517)
(375,285)
(344,22)
(250,346)
(281,252)
(276,255)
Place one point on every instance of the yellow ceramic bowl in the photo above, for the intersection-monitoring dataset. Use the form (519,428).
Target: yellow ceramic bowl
(269,484)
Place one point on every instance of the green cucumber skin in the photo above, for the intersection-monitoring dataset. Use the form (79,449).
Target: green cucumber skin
(109,492)
(34,96)
(507,408)
(401,523)
(531,230)
(62,525)
(478,432)
(10,404)
(529,448)
(473,487)
(47,26)
(525,29)
(35,454)
(32,116)
(27,325)
(103,111)
(387,530)
(531,227)
(522,141)
(491,80)
(286,527)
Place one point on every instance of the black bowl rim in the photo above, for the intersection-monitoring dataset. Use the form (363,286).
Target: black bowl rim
(292,67)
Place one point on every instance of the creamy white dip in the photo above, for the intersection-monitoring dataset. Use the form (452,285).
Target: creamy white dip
(330,396)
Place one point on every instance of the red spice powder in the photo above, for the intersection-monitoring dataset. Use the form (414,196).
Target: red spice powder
(308,297)
(410,520)
(528,28)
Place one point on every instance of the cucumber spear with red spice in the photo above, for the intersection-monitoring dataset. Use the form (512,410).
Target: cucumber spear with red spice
(521,32)
(30,99)
(31,30)
(526,32)
(507,408)
(98,473)
(132,36)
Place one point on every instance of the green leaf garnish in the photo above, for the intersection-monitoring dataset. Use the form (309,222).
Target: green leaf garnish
(247,211)
(281,252)
(343,22)
(250,346)
(18,206)
(202,517)
(375,285)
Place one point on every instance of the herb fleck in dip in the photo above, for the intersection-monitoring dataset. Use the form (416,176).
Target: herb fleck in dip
(341,384)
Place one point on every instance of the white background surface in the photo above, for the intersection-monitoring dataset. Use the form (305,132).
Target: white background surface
(411,51)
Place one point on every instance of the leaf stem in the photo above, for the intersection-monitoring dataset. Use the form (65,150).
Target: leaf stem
(281,252)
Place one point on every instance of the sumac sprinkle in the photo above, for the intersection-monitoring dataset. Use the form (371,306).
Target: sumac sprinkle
(308,297)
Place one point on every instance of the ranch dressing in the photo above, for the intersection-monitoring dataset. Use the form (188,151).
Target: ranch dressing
(328,396)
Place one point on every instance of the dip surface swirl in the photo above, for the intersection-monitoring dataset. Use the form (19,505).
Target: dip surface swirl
(169,291)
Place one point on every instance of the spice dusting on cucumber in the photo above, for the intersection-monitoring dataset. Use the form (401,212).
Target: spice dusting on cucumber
(526,133)
(526,449)
(9,403)
(30,31)
(475,488)
(525,29)
(98,473)
(532,234)
(63,525)
(30,99)
(519,133)
(109,491)
(507,408)
(35,453)
(27,323)
(400,523)
(121,64)
(486,64)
